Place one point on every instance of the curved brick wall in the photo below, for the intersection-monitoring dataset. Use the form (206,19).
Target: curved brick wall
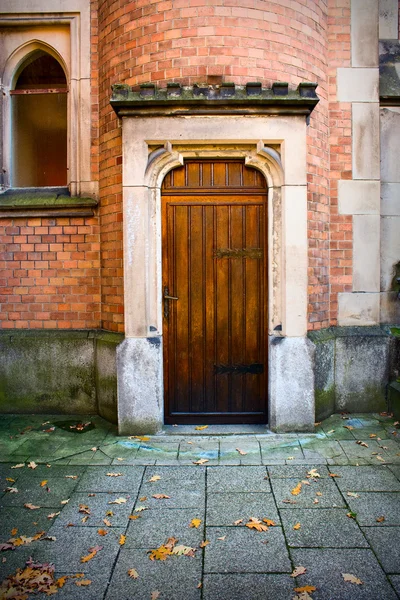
(217,40)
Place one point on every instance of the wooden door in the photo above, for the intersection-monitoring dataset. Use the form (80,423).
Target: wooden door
(214,235)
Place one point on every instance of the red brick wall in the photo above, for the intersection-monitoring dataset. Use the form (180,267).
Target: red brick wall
(341,234)
(211,40)
(49,273)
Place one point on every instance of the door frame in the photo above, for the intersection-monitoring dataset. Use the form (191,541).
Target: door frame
(149,153)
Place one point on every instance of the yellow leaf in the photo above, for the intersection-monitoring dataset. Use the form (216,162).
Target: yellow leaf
(107,522)
(61,581)
(115,474)
(71,476)
(10,479)
(269,522)
(143,499)
(195,523)
(155,478)
(380,519)
(160,553)
(133,573)
(102,531)
(88,557)
(238,522)
(296,490)
(14,531)
(134,517)
(296,526)
(372,435)
(43,483)
(141,438)
(201,427)
(256,524)
(349,427)
(309,589)
(122,539)
(204,544)
(313,473)
(351,578)
(160,496)
(82,582)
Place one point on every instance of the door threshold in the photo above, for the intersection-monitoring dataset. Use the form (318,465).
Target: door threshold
(234,429)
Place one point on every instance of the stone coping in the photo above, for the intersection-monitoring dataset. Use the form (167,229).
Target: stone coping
(203,99)
(46,202)
(63,334)
(328,333)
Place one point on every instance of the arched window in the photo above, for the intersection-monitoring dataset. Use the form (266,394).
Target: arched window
(39,123)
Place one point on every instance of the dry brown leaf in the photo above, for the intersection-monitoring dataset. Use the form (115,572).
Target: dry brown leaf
(202,461)
(372,435)
(71,477)
(349,427)
(298,571)
(83,582)
(31,506)
(14,531)
(380,458)
(102,531)
(118,501)
(315,501)
(133,573)
(361,443)
(119,458)
(61,581)
(11,490)
(297,526)
(195,523)
(318,493)
(256,524)
(330,431)
(115,474)
(52,515)
(18,466)
(92,553)
(122,539)
(84,519)
(241,452)
(84,509)
(351,578)
(309,589)
(353,495)
(201,427)
(287,501)
(204,544)
(160,496)
(199,586)
(269,522)
(155,595)
(334,475)
(154,478)
(296,490)
(32,465)
(107,522)
(238,522)
(222,538)
(43,483)
(143,499)
(109,513)
(380,519)
(134,517)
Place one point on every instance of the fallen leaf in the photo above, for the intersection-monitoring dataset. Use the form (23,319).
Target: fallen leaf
(119,458)
(309,589)
(296,490)
(351,578)
(189,442)
(298,571)
(238,522)
(290,458)
(115,474)
(288,501)
(49,538)
(6,546)
(380,458)
(361,443)
(43,483)
(315,501)
(141,438)
(32,465)
(372,435)
(93,449)
(318,493)
(107,522)
(155,478)
(14,531)
(71,477)
(222,538)
(109,513)
(134,517)
(334,475)
(351,515)
(83,582)
(195,523)
(199,586)
(297,526)
(353,495)
(31,506)
(90,495)
(155,595)
(202,461)
(349,427)
(61,581)
(160,553)
(182,550)
(201,427)
(122,539)
(380,519)
(141,508)
(143,499)
(84,509)
(241,452)
(133,573)
(313,473)
(18,466)
(64,501)
(84,519)
(204,544)
(256,524)
(160,496)
(102,531)
(331,431)
(10,479)
(269,522)
(92,553)
(11,490)
(118,501)
(305,482)
(52,515)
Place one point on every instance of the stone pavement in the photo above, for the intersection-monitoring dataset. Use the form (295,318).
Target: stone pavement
(333,498)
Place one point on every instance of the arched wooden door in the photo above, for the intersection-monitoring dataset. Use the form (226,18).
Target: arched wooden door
(214,235)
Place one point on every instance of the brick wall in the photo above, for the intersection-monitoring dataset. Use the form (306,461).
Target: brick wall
(211,40)
(49,273)
(341,235)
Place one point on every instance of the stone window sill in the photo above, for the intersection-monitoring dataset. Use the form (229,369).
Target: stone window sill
(44,202)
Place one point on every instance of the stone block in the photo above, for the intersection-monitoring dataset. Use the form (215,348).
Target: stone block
(106,375)
(390,144)
(365,141)
(357,85)
(364,33)
(366,479)
(291,389)
(96,480)
(385,542)
(98,506)
(358,197)
(361,370)
(155,526)
(326,565)
(324,372)
(390,199)
(358,309)
(390,251)
(140,397)
(366,258)
(388,20)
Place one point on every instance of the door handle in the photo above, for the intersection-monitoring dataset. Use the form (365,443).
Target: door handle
(167,298)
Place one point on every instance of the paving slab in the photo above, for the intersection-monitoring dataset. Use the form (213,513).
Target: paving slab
(372,505)
(395,469)
(226,508)
(206,450)
(74,543)
(237,586)
(154,527)
(395,581)
(246,551)
(98,505)
(298,471)
(325,528)
(31,491)
(237,479)
(42,471)
(179,495)
(27,522)
(71,590)
(15,559)
(118,449)
(124,479)
(185,475)
(357,451)
(385,542)
(90,458)
(330,495)
(324,571)
(158,451)
(176,578)
(367,479)
(240,451)
(272,451)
